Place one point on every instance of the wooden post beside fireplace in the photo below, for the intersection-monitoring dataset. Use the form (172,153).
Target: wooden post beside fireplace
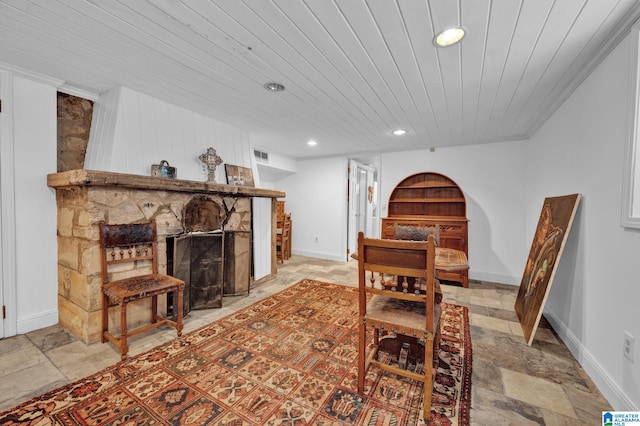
(86,197)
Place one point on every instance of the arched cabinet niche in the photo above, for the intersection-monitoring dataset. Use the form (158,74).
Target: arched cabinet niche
(431,199)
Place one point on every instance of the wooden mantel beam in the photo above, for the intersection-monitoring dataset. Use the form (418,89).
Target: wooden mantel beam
(83,177)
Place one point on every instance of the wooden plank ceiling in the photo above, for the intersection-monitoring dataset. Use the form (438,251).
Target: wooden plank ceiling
(354,70)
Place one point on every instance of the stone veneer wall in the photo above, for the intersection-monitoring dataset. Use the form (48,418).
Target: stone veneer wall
(80,208)
(74,125)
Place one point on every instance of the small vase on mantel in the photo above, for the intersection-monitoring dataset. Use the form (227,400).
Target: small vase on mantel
(211,160)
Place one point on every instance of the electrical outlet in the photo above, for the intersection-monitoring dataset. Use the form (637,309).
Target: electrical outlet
(317,239)
(629,346)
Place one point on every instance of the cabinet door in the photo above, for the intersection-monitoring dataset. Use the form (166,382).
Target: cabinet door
(454,235)
(453,241)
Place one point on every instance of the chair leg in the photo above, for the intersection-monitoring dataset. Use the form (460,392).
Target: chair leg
(124,346)
(280,253)
(179,319)
(154,309)
(105,316)
(428,379)
(362,373)
(436,352)
(287,252)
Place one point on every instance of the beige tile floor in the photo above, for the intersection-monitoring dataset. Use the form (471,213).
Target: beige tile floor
(512,383)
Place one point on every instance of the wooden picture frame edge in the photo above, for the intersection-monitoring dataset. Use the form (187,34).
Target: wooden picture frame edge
(530,334)
(233,170)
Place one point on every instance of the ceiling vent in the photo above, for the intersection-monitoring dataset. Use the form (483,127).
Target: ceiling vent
(261,156)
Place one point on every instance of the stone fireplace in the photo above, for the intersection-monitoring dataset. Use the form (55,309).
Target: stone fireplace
(86,197)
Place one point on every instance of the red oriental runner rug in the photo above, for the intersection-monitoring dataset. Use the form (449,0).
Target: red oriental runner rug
(289,359)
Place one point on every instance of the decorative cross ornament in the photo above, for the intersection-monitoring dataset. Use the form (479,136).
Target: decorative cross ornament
(211,160)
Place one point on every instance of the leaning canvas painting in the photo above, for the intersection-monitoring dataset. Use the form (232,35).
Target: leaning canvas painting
(548,242)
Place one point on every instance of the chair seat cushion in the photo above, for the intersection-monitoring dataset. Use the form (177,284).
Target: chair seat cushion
(141,286)
(407,314)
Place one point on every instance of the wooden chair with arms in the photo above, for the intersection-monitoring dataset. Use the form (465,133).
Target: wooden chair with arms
(398,308)
(136,244)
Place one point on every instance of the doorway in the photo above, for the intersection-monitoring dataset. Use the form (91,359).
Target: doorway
(362,202)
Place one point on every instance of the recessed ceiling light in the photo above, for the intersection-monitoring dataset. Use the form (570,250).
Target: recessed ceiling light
(449,37)
(312,143)
(399,132)
(274,87)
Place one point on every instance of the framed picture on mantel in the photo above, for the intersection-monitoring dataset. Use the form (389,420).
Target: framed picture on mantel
(237,175)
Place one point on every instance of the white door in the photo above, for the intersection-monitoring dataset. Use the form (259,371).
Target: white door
(4,126)
(365,200)
(8,317)
(368,197)
(361,200)
(352,206)
(361,204)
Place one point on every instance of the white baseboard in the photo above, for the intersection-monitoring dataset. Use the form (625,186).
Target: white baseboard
(494,278)
(319,255)
(603,382)
(37,321)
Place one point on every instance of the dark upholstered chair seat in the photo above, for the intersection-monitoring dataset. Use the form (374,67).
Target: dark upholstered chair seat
(140,287)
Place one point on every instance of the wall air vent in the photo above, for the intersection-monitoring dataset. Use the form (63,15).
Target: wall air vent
(261,156)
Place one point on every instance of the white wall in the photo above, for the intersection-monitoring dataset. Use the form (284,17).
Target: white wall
(131,131)
(316,198)
(594,297)
(35,150)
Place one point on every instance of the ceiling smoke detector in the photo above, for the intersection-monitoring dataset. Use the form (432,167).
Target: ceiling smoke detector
(274,87)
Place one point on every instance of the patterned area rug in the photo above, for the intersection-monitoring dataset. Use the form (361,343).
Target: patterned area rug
(289,359)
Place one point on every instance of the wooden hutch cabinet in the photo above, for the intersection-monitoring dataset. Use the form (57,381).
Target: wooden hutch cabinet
(431,199)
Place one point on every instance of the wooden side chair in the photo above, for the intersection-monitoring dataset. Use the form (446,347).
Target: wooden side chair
(135,244)
(392,306)
(283,239)
(280,211)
